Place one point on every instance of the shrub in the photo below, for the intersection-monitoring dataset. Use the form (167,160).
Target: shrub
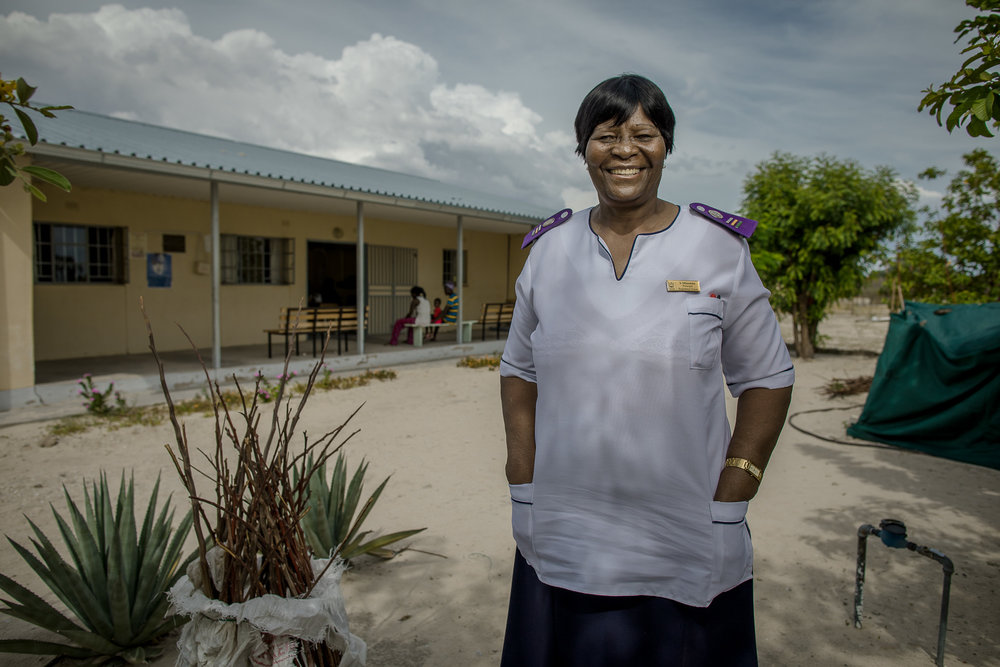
(99,402)
(330,525)
(491,362)
(115,584)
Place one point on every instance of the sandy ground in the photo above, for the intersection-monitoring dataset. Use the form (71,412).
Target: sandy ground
(437,430)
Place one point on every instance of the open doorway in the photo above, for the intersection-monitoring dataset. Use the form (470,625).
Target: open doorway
(333,274)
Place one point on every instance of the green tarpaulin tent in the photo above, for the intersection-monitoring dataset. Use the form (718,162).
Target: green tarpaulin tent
(937,383)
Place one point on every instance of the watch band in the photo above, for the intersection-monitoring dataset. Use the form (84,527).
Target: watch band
(746,465)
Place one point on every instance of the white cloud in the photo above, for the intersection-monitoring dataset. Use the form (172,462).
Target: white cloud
(470,93)
(381,103)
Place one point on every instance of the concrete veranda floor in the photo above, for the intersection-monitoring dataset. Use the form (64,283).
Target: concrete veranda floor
(55,393)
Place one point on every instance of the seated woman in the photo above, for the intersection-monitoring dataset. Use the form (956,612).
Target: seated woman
(419,313)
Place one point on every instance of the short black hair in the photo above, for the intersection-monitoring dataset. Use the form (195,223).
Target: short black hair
(617,99)
(416,291)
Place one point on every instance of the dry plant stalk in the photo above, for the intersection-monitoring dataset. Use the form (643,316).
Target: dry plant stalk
(259,500)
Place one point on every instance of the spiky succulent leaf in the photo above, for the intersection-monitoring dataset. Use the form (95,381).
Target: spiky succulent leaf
(93,641)
(366,510)
(40,611)
(127,611)
(376,545)
(63,580)
(35,647)
(89,543)
(126,534)
(118,598)
(330,522)
(350,504)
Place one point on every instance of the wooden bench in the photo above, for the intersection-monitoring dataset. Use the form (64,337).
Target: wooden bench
(293,322)
(420,329)
(496,315)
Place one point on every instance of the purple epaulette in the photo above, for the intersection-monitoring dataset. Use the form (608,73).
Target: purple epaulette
(735,223)
(550,222)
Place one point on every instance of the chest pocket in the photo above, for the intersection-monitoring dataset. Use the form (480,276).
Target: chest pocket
(705,329)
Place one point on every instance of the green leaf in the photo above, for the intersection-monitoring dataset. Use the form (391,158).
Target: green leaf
(8,174)
(89,553)
(29,126)
(331,520)
(24,91)
(41,612)
(47,110)
(72,589)
(35,192)
(979,109)
(378,543)
(117,593)
(366,510)
(93,641)
(35,647)
(49,176)
(115,627)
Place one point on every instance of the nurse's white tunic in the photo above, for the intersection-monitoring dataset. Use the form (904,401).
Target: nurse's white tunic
(631,429)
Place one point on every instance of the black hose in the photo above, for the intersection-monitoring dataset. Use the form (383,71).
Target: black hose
(834,440)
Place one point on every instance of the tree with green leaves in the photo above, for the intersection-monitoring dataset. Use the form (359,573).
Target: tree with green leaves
(955,256)
(973,91)
(17,95)
(823,224)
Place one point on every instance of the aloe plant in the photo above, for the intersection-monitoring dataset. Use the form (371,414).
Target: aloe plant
(115,585)
(330,525)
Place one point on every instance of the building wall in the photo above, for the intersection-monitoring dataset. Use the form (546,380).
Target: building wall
(94,320)
(17,354)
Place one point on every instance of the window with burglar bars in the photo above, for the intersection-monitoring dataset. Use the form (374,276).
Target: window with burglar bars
(449,266)
(257,260)
(79,254)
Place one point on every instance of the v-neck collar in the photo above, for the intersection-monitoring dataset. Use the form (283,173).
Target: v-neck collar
(631,251)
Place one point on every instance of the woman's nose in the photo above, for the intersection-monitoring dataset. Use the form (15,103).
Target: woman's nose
(623,147)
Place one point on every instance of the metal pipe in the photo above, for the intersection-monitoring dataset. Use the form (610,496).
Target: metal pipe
(461,279)
(893,534)
(362,298)
(859,577)
(216,279)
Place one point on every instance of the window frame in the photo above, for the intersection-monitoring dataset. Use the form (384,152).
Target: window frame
(257,260)
(100,253)
(449,256)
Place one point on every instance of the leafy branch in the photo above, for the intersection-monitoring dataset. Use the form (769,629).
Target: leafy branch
(972,92)
(17,95)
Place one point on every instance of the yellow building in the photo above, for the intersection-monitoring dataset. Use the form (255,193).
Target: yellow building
(218,236)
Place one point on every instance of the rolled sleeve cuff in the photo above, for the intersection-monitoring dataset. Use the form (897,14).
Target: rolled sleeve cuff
(508,369)
(779,380)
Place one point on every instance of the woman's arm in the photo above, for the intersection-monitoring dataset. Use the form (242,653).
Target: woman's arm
(518,399)
(760,415)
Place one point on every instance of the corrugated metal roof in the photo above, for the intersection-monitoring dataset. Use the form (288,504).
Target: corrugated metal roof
(94,132)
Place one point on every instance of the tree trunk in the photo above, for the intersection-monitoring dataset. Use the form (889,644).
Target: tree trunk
(813,335)
(800,322)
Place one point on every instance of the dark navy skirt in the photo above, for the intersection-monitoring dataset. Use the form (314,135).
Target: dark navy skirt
(554,627)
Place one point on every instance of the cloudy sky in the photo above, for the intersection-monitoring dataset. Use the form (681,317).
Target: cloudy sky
(484,93)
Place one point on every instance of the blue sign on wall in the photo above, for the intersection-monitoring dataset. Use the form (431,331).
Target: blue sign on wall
(158,269)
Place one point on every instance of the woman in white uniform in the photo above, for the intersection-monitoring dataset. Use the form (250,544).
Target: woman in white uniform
(629,490)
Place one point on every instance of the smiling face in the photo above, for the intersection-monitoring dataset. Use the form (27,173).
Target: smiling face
(625,161)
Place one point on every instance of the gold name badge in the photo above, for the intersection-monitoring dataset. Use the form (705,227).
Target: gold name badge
(683,285)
